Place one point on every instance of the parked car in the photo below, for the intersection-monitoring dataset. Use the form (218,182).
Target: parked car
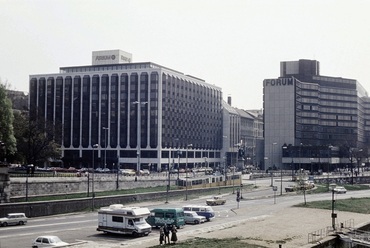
(193,218)
(340,190)
(216,200)
(128,172)
(14,219)
(144,172)
(48,241)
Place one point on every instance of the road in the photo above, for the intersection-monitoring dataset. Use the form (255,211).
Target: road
(76,227)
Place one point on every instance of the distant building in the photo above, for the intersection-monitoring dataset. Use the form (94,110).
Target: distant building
(19,99)
(243,130)
(313,121)
(140,115)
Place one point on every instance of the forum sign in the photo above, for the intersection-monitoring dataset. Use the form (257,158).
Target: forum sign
(278,82)
(111,57)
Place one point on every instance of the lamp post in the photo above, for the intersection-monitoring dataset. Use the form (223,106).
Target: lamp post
(105,146)
(138,135)
(233,180)
(351,158)
(117,182)
(225,175)
(93,173)
(28,171)
(281,171)
(300,155)
(178,166)
(169,181)
(272,161)
(333,215)
(2,151)
(186,171)
(329,155)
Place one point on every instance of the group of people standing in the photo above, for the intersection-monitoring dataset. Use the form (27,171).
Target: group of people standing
(164,234)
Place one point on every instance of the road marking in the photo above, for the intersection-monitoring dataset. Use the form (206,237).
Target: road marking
(55,224)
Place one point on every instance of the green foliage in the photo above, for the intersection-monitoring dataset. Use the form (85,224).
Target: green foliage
(355,205)
(35,140)
(6,124)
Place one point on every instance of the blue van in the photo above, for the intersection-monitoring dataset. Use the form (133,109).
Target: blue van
(205,211)
(170,216)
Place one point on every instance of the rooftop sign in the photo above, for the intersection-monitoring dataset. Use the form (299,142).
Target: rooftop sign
(111,57)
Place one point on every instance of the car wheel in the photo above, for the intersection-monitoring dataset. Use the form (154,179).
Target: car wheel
(196,222)
(5,224)
(21,223)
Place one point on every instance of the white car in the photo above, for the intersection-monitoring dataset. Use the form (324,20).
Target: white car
(144,172)
(340,190)
(48,241)
(193,217)
(14,219)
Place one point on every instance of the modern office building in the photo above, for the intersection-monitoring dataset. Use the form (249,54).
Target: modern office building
(136,115)
(313,121)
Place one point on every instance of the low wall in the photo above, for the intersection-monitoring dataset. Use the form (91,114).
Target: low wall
(35,209)
(67,185)
(341,180)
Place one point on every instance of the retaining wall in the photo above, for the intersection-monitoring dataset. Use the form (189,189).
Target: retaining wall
(35,209)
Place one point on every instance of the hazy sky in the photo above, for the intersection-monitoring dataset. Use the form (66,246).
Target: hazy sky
(233,44)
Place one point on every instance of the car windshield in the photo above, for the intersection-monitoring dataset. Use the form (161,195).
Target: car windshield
(54,240)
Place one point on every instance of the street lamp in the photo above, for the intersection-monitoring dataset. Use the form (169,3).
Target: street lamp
(93,173)
(28,171)
(118,171)
(3,151)
(225,175)
(272,161)
(281,171)
(329,155)
(333,214)
(186,170)
(300,155)
(105,146)
(138,135)
(178,166)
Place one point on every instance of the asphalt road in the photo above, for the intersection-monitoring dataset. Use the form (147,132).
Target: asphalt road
(77,227)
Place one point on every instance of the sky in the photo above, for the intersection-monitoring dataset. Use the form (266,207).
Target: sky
(233,44)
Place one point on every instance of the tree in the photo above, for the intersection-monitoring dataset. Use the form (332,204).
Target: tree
(7,139)
(36,140)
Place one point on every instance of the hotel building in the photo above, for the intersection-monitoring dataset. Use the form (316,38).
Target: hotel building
(312,121)
(136,115)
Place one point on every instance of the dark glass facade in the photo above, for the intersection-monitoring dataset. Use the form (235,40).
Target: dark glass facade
(101,105)
(307,112)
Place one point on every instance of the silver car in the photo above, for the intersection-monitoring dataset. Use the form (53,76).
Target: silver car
(193,217)
(13,219)
(48,241)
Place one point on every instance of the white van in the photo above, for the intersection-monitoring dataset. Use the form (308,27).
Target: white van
(205,211)
(124,220)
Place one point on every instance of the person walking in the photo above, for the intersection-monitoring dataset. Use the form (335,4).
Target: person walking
(173,234)
(166,231)
(161,236)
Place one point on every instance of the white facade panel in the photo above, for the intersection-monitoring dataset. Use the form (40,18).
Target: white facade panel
(279,118)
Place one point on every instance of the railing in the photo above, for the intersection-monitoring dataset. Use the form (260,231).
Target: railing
(324,232)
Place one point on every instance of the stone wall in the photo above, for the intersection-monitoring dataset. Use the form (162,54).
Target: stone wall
(5,190)
(69,185)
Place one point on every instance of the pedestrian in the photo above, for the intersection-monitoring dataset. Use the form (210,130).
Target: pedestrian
(166,231)
(173,234)
(161,236)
